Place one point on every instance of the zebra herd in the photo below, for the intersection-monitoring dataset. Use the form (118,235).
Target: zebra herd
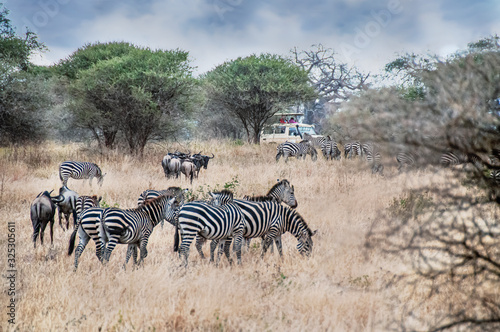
(221,219)
(371,153)
(331,151)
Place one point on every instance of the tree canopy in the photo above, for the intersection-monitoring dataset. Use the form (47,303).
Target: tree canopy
(119,88)
(254,88)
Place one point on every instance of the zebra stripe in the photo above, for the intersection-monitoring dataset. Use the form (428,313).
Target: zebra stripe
(352,149)
(297,150)
(330,150)
(87,228)
(151,193)
(451,158)
(85,202)
(209,222)
(373,157)
(133,226)
(281,192)
(318,141)
(405,160)
(270,220)
(80,170)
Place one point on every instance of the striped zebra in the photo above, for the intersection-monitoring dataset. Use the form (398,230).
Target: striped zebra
(373,157)
(134,226)
(269,220)
(297,150)
(452,158)
(406,160)
(281,191)
(221,221)
(87,228)
(352,149)
(85,202)
(495,176)
(330,150)
(316,142)
(80,170)
(171,191)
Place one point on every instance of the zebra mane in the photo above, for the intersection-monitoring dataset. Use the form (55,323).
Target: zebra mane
(224,192)
(260,198)
(283,182)
(150,201)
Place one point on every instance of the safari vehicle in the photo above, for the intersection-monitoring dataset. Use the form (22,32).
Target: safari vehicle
(285,131)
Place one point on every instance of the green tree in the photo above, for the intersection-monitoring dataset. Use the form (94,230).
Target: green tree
(254,88)
(23,95)
(142,94)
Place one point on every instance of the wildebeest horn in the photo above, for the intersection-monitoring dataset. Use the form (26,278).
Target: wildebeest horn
(57,199)
(212,156)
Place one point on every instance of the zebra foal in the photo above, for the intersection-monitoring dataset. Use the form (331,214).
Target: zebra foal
(80,170)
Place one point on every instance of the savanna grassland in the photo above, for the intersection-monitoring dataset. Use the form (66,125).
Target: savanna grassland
(341,286)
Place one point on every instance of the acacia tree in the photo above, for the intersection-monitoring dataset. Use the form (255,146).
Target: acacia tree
(335,82)
(449,230)
(142,94)
(254,88)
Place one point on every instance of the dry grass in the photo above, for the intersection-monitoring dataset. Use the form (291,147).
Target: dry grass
(338,288)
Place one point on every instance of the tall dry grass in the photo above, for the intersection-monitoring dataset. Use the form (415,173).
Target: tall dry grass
(342,286)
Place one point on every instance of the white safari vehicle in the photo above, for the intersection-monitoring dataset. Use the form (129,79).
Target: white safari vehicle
(282,132)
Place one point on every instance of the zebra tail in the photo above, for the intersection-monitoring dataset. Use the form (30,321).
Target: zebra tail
(176,237)
(72,240)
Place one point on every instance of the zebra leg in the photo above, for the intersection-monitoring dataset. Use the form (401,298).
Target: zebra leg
(184,247)
(113,241)
(213,246)
(200,241)
(277,241)
(144,249)
(84,239)
(226,244)
(267,242)
(238,241)
(130,250)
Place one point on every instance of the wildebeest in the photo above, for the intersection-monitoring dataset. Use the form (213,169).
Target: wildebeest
(42,212)
(67,205)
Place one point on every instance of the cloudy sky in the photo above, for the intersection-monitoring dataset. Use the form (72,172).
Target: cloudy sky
(364,33)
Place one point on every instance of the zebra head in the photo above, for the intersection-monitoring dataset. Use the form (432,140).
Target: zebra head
(100,179)
(312,151)
(305,244)
(284,192)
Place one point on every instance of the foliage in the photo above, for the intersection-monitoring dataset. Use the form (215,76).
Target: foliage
(203,192)
(140,93)
(254,88)
(23,96)
(454,244)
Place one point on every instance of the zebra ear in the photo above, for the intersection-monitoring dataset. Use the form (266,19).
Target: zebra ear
(314,233)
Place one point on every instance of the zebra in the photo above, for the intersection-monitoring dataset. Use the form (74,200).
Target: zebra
(405,160)
(87,228)
(281,191)
(222,222)
(330,150)
(318,141)
(85,202)
(452,158)
(269,219)
(171,191)
(495,176)
(298,150)
(352,149)
(80,170)
(134,226)
(373,157)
